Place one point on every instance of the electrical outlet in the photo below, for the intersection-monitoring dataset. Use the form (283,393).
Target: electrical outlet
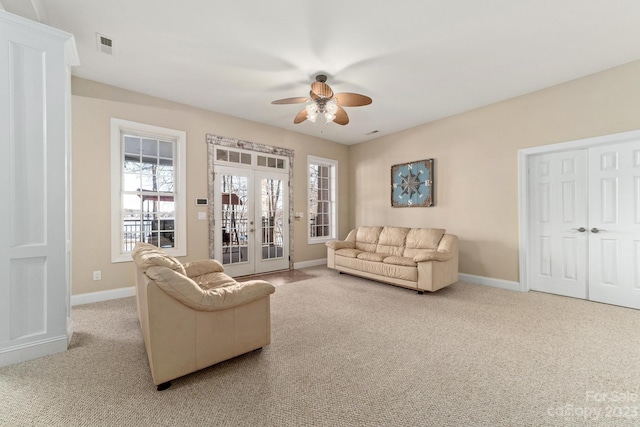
(97,275)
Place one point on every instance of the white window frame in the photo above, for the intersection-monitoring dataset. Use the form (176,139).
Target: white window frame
(180,224)
(333,192)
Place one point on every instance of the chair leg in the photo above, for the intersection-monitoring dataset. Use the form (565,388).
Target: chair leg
(164,386)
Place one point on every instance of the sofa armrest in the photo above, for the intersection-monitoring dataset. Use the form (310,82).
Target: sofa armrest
(348,243)
(201,267)
(447,248)
(340,244)
(433,255)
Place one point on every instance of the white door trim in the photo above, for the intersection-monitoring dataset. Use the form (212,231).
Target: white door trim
(523,184)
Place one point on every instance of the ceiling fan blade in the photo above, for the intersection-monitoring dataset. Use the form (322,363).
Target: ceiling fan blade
(321,89)
(341,117)
(347,99)
(301,117)
(290,101)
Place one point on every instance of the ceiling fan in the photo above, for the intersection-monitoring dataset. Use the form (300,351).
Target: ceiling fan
(324,104)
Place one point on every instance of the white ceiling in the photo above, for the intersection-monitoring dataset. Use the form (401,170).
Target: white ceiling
(420,60)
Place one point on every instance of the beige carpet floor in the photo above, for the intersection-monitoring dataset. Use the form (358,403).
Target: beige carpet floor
(351,352)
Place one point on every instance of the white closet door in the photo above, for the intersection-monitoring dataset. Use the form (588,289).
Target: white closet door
(614,237)
(558,255)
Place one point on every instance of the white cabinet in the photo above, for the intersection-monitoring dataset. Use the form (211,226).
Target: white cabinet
(35,190)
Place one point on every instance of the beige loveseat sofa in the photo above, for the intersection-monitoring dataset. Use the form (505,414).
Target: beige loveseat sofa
(424,259)
(193,315)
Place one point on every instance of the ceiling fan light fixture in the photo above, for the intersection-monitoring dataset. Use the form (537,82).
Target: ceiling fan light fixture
(324,104)
(312,111)
(331,107)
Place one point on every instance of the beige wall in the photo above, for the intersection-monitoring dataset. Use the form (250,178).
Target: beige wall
(476,164)
(94,104)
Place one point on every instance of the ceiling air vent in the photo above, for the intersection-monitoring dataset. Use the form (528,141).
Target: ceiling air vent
(105,44)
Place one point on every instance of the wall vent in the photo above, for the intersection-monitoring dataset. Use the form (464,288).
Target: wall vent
(105,44)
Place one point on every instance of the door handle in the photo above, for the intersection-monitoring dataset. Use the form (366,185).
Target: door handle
(251,230)
(581,229)
(595,230)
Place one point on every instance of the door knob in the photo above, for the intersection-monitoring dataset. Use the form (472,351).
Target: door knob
(251,230)
(581,229)
(595,230)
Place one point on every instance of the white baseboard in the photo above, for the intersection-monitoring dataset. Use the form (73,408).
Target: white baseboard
(33,350)
(131,291)
(102,296)
(488,281)
(312,263)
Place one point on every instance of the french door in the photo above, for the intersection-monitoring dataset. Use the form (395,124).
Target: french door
(251,220)
(585,223)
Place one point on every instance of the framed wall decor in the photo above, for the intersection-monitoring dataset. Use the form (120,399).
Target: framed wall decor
(412,184)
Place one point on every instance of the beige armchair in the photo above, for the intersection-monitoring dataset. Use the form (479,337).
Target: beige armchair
(194,315)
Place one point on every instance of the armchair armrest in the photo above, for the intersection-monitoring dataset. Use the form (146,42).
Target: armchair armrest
(201,267)
(190,294)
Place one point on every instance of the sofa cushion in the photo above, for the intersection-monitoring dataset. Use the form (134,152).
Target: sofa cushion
(367,238)
(422,238)
(400,260)
(190,294)
(349,253)
(371,256)
(380,268)
(146,255)
(392,240)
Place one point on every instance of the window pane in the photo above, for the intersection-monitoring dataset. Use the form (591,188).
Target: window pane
(149,147)
(132,164)
(272,162)
(149,162)
(148,183)
(166,149)
(166,207)
(164,178)
(234,156)
(221,155)
(280,164)
(245,158)
(131,205)
(132,145)
(130,181)
(262,161)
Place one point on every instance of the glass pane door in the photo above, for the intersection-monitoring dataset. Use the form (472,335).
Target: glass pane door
(234,221)
(273,196)
(251,217)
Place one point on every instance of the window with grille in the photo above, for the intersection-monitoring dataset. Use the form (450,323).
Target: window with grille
(322,199)
(148,188)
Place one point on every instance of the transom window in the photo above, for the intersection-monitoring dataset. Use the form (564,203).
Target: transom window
(322,195)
